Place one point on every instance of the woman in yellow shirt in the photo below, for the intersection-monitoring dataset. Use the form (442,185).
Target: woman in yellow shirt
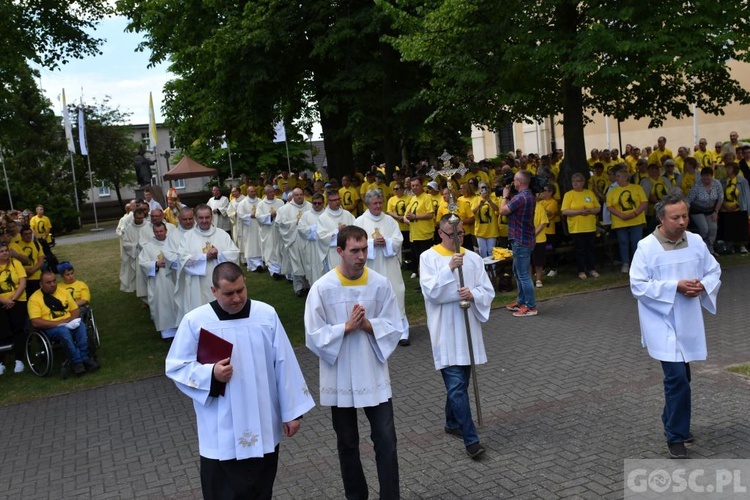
(12,307)
(580,207)
(485,208)
(627,203)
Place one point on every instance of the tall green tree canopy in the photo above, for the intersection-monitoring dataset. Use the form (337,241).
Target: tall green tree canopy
(516,60)
(242,66)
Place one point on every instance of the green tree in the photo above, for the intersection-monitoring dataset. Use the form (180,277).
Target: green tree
(111,146)
(34,152)
(258,61)
(514,60)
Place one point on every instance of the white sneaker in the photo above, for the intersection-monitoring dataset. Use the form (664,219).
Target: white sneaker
(19,366)
(2,368)
(625,268)
(552,273)
(413,275)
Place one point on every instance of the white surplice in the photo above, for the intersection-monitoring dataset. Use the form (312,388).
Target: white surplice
(232,215)
(313,253)
(287,220)
(353,367)
(267,387)
(445,318)
(249,229)
(220,219)
(161,285)
(130,247)
(672,326)
(195,269)
(269,244)
(328,231)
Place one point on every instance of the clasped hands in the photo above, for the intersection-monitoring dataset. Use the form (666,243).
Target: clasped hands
(690,288)
(357,320)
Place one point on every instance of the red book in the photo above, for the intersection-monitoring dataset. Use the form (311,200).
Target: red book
(212,348)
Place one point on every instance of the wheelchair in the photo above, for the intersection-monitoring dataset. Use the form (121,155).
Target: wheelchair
(40,348)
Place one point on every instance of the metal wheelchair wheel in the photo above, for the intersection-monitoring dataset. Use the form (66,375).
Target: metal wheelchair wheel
(93,334)
(39,355)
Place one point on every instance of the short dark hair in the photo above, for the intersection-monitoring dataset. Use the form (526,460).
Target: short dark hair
(672,198)
(347,233)
(707,171)
(226,271)
(201,206)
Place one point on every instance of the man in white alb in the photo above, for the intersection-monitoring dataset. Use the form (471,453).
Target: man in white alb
(291,246)
(329,223)
(160,281)
(249,231)
(265,214)
(219,204)
(313,254)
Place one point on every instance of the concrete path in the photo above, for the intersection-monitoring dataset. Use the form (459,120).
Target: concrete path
(567,396)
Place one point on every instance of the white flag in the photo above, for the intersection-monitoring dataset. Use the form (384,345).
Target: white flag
(66,124)
(280,132)
(151,124)
(82,133)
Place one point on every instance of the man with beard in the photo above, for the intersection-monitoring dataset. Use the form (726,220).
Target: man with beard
(384,242)
(266,214)
(287,220)
(249,231)
(201,250)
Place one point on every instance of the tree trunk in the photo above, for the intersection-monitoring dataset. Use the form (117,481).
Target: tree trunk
(575,144)
(338,143)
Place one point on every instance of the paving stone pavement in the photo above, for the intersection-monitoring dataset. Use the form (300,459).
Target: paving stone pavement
(566,397)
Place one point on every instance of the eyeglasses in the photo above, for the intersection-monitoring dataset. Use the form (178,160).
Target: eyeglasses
(450,235)
(317,203)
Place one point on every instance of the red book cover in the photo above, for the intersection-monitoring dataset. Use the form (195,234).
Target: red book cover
(212,348)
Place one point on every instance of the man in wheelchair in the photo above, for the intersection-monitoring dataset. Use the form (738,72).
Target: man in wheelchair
(54,311)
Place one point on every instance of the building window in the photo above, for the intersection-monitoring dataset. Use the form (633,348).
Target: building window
(505,138)
(145,139)
(104,191)
(179,184)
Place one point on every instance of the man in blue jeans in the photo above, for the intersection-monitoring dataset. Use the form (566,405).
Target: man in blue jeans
(53,310)
(520,213)
(443,298)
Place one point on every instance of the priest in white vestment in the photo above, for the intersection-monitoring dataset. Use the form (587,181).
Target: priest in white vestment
(201,250)
(313,254)
(352,323)
(674,276)
(291,246)
(141,280)
(126,219)
(269,237)
(384,240)
(333,219)
(186,221)
(443,294)
(242,403)
(160,281)
(219,204)
(130,247)
(234,202)
(249,232)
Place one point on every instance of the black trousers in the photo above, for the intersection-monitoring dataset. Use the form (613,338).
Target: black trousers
(13,329)
(383,435)
(417,248)
(248,479)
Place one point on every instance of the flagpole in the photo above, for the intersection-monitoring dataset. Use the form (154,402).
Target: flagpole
(231,170)
(85,152)
(5,174)
(93,201)
(75,189)
(288,163)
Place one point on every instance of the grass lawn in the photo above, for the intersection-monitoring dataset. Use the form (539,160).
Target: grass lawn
(131,349)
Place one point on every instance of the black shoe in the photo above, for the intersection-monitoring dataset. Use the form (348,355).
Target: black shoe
(677,451)
(404,342)
(276,276)
(474,450)
(91,365)
(259,269)
(300,293)
(453,432)
(79,369)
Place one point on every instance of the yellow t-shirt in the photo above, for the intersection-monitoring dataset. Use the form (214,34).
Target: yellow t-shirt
(627,199)
(441,211)
(397,205)
(656,156)
(599,183)
(659,190)
(485,220)
(552,209)
(575,200)
(540,217)
(630,161)
(78,290)
(731,194)
(42,227)
(38,309)
(33,252)
(350,199)
(422,229)
(502,224)
(10,276)
(464,211)
(705,158)
(688,181)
